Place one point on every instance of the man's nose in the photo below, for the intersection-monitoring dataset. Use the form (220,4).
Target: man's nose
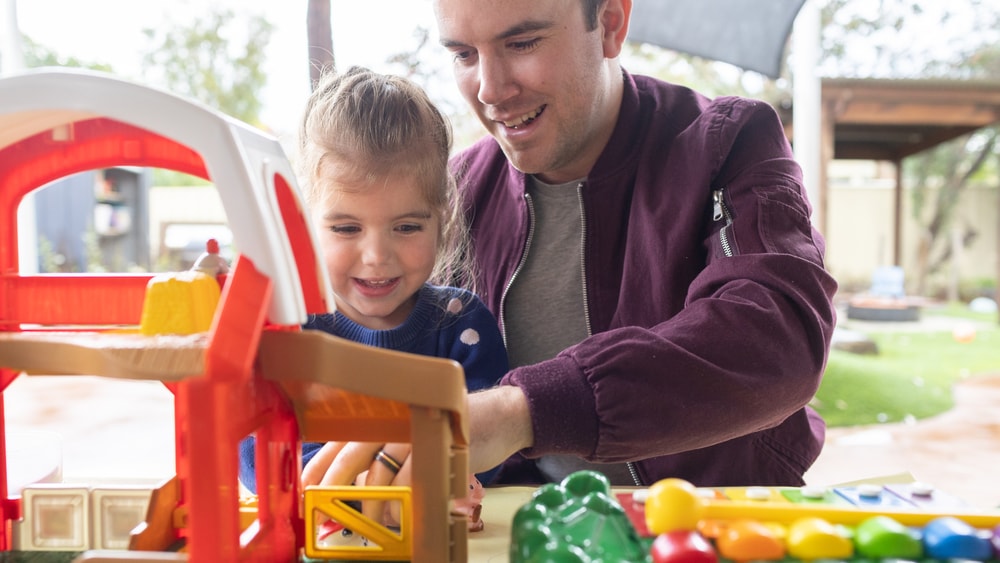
(495,80)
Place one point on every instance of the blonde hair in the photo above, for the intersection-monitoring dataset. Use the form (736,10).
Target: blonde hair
(360,126)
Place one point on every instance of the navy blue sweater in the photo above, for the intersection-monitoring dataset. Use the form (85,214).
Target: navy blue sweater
(446,322)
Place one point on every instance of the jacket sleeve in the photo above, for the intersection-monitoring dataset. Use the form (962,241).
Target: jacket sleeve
(747,349)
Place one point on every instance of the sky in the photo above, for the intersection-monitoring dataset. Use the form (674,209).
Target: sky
(110,31)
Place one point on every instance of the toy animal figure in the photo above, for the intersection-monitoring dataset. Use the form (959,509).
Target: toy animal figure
(472,505)
(333,534)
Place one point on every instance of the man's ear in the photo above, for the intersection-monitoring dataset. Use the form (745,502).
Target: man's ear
(613,20)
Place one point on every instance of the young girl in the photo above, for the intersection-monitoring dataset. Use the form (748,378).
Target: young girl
(373,159)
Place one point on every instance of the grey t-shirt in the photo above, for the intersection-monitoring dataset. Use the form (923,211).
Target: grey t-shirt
(544,311)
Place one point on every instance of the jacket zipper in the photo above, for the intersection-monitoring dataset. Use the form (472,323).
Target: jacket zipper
(520,265)
(583,259)
(720,212)
(586,302)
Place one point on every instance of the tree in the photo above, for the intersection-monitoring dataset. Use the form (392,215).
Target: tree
(939,178)
(207,61)
(36,55)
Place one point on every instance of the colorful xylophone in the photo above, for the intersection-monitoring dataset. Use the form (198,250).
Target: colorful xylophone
(580,520)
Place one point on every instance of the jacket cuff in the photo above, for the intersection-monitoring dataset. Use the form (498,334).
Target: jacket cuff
(562,407)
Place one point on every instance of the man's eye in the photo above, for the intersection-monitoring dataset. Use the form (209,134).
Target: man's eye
(462,56)
(525,45)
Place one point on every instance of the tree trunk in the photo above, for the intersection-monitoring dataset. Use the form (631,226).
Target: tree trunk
(955,273)
(320,36)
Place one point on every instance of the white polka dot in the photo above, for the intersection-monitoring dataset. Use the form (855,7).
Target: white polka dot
(455,306)
(469,336)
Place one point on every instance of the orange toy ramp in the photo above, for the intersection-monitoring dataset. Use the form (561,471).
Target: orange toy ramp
(342,390)
(125,356)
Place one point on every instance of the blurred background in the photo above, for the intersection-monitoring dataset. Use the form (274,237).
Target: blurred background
(903,177)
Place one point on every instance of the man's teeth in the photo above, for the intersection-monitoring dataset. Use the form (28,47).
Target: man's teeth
(526,118)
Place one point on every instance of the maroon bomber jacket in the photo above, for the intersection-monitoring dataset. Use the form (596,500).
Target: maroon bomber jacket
(710,309)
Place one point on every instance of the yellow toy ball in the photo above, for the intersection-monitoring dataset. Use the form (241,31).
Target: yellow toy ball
(673,504)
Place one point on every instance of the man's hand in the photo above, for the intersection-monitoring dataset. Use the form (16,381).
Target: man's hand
(499,426)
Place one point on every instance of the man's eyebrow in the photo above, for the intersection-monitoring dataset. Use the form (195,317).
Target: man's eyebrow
(527,26)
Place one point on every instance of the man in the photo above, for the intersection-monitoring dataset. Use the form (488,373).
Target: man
(648,253)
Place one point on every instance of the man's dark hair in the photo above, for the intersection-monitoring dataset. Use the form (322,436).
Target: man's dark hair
(590,13)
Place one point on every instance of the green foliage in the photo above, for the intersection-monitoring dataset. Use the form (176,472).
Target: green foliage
(891,39)
(163,177)
(93,255)
(217,60)
(47,256)
(36,55)
(911,377)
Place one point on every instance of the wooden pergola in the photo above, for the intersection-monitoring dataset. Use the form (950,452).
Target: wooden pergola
(876,119)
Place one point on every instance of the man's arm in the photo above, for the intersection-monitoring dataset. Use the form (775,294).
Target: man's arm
(499,426)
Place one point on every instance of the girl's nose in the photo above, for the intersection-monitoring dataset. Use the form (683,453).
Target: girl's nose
(376,250)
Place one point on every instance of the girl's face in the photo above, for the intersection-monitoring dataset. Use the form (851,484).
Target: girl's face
(379,243)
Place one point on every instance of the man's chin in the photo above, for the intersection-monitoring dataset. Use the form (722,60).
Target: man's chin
(521,160)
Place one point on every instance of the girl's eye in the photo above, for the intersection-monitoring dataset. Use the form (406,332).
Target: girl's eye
(344,229)
(410,228)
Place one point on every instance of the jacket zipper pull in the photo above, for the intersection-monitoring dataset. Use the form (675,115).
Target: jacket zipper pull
(717,205)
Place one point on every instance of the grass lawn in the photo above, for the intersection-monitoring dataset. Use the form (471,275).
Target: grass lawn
(912,375)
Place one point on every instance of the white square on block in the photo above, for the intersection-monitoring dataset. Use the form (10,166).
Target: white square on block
(56,518)
(116,512)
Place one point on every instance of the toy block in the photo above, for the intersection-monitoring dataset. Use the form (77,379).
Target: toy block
(56,518)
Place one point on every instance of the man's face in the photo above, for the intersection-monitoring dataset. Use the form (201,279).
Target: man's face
(537,79)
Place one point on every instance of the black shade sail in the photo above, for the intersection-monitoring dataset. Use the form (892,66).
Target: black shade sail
(750,34)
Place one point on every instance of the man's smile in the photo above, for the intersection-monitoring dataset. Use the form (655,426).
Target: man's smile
(526,118)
